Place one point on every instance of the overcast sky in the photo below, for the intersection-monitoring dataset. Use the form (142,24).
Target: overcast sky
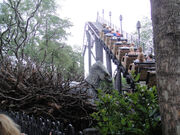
(81,11)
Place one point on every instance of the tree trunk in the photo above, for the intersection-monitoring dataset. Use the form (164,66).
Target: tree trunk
(166,32)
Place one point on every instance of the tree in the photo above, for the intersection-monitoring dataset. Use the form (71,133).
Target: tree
(15,27)
(166,33)
(146,34)
(31,29)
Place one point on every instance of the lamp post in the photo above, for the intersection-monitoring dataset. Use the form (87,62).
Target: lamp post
(103,16)
(110,18)
(120,18)
(97,20)
(138,26)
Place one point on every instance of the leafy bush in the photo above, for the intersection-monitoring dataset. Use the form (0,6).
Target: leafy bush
(131,114)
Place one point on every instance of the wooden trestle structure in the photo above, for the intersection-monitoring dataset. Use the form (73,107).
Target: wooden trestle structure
(93,38)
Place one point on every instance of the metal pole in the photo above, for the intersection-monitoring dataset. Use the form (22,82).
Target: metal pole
(120,18)
(138,26)
(118,80)
(99,50)
(103,16)
(138,37)
(108,64)
(110,17)
(89,49)
(97,20)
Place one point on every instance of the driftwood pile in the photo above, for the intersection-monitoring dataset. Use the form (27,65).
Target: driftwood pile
(41,93)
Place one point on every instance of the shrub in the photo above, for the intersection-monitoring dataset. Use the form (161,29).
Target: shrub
(131,114)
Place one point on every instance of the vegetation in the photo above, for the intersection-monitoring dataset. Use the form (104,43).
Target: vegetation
(146,34)
(131,114)
(32,31)
(36,65)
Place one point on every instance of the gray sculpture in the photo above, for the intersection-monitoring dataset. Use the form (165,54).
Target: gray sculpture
(97,74)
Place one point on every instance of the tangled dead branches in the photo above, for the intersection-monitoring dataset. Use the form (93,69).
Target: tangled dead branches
(43,93)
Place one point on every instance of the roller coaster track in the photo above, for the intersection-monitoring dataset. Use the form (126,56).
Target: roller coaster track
(92,28)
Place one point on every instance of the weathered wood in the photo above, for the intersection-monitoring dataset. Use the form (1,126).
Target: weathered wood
(121,52)
(151,79)
(127,60)
(108,41)
(113,41)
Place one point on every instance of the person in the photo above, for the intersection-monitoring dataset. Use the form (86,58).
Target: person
(104,26)
(140,58)
(139,50)
(117,33)
(106,30)
(8,126)
(113,32)
(150,58)
(132,44)
(131,51)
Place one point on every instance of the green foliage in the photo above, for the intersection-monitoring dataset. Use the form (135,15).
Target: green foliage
(124,82)
(105,86)
(146,34)
(43,33)
(135,76)
(131,114)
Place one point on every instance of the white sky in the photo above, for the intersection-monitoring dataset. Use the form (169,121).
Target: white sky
(81,11)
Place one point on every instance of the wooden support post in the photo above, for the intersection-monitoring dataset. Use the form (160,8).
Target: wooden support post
(102,35)
(108,64)
(118,84)
(118,54)
(115,49)
(104,39)
(107,41)
(89,49)
(112,44)
(99,50)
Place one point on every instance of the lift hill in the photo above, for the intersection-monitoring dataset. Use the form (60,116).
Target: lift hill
(117,52)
